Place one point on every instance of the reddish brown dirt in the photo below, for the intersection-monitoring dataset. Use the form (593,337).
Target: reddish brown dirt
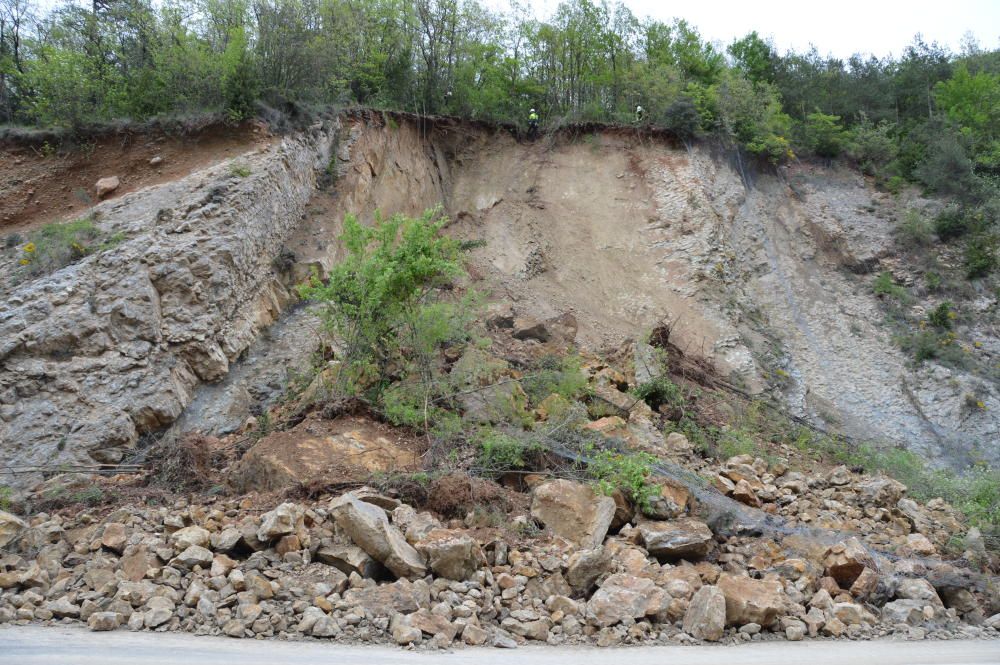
(39,184)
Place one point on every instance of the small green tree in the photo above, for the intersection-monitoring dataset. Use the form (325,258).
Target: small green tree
(823,135)
(381,297)
(239,81)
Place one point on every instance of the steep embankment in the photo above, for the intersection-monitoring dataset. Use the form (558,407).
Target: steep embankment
(622,231)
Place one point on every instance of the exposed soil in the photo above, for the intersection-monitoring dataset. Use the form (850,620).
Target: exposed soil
(40,184)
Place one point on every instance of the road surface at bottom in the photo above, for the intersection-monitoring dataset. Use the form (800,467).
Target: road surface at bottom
(72,645)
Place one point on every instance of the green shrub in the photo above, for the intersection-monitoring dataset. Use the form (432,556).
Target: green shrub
(381,296)
(554,374)
(942,316)
(57,245)
(239,170)
(981,256)
(500,453)
(933,280)
(5,497)
(951,223)
(915,230)
(735,441)
(629,472)
(885,286)
(659,391)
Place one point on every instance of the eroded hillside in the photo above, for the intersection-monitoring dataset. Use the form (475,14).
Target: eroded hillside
(769,280)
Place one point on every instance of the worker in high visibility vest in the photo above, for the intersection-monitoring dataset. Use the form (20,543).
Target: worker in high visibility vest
(532,124)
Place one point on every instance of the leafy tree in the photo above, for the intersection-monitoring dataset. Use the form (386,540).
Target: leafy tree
(754,57)
(239,80)
(383,286)
(823,135)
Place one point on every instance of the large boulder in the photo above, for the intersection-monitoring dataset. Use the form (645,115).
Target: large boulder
(401,596)
(190,536)
(678,539)
(880,491)
(904,611)
(368,527)
(752,601)
(451,553)
(10,527)
(705,618)
(279,522)
(329,451)
(586,566)
(623,597)
(573,511)
(845,562)
(350,559)
(670,501)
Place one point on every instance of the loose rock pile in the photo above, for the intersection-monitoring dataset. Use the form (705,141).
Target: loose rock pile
(366,567)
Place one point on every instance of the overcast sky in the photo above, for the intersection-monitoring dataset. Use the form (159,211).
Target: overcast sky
(838,27)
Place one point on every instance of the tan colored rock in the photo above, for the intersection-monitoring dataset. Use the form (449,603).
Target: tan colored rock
(684,538)
(102,621)
(349,559)
(368,526)
(904,611)
(452,554)
(279,522)
(136,562)
(705,618)
(11,526)
(193,556)
(106,186)
(586,566)
(475,636)
(671,501)
(752,601)
(845,562)
(344,448)
(573,511)
(624,596)
(744,493)
(881,491)
(114,537)
(919,544)
(188,536)
(401,596)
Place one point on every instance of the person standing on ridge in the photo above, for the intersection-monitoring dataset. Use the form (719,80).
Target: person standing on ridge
(640,114)
(532,124)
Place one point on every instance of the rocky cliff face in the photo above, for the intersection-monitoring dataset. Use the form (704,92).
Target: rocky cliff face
(770,281)
(111,347)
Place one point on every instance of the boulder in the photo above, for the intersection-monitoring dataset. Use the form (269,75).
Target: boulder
(188,536)
(685,538)
(106,186)
(537,629)
(102,621)
(350,559)
(401,596)
(279,522)
(10,527)
(114,537)
(573,511)
(752,601)
(917,589)
(845,562)
(368,526)
(586,566)
(193,556)
(136,562)
(670,501)
(316,450)
(705,618)
(904,611)
(623,597)
(452,554)
(880,491)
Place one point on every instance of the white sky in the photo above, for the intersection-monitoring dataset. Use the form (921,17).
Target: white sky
(837,27)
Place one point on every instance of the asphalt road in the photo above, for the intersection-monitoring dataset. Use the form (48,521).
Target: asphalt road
(72,645)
